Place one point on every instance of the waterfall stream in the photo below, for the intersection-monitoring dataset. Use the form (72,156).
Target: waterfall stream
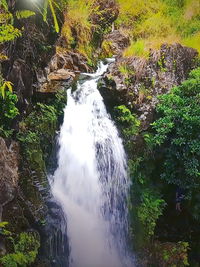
(91,183)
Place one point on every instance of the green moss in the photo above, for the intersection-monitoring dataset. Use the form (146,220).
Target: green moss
(36,135)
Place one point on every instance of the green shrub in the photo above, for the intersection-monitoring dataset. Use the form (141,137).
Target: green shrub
(128,122)
(25,251)
(149,210)
(177,131)
(8,111)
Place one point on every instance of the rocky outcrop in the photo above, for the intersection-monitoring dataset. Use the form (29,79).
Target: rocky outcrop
(137,82)
(117,41)
(8,172)
(21,76)
(107,13)
(61,71)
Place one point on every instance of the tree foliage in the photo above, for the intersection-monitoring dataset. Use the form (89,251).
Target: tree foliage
(177,131)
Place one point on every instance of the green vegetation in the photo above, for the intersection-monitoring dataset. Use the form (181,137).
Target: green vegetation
(125,70)
(107,49)
(128,123)
(168,155)
(8,111)
(36,134)
(146,203)
(171,254)
(37,131)
(136,48)
(154,22)
(25,251)
(149,210)
(7,31)
(177,131)
(77,28)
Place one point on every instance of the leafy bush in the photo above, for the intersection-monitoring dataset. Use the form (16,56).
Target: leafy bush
(36,134)
(8,111)
(25,251)
(129,124)
(7,31)
(78,20)
(177,131)
(149,210)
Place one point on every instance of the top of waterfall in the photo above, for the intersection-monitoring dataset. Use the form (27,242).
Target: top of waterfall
(102,68)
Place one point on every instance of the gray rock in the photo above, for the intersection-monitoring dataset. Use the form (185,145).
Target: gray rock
(8,172)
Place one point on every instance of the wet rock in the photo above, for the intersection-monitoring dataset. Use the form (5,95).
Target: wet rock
(71,60)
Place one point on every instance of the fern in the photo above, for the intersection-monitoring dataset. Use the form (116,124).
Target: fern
(4,4)
(8,33)
(6,85)
(23,14)
(5,17)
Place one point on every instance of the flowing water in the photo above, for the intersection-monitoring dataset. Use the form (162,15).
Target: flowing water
(91,182)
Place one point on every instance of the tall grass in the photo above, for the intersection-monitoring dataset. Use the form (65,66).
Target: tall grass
(154,22)
(137,48)
(193,41)
(77,28)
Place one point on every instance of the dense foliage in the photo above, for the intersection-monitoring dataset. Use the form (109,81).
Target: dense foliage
(178,132)
(128,121)
(8,111)
(25,251)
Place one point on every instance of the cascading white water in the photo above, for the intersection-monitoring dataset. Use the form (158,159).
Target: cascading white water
(91,181)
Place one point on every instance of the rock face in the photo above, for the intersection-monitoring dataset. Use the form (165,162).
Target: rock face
(8,172)
(21,76)
(118,41)
(107,13)
(61,71)
(137,82)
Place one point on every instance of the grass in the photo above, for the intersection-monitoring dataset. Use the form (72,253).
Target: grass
(153,22)
(193,41)
(137,48)
(107,50)
(125,70)
(77,28)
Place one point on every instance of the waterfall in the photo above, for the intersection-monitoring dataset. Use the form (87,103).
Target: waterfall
(91,182)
